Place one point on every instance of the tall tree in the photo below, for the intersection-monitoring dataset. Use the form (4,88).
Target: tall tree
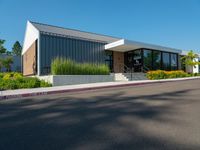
(17,48)
(2,48)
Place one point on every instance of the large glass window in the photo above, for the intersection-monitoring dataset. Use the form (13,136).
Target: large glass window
(129,60)
(137,60)
(147,60)
(156,60)
(137,57)
(166,61)
(174,62)
(109,59)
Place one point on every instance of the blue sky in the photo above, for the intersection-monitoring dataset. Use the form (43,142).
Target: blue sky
(172,23)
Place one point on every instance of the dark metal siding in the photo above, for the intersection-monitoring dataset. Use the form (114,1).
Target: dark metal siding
(76,49)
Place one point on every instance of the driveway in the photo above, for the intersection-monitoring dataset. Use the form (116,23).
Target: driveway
(164,116)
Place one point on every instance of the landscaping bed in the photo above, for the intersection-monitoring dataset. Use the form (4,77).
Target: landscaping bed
(161,74)
(13,80)
(64,66)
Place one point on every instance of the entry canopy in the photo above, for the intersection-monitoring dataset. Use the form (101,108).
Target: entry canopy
(127,45)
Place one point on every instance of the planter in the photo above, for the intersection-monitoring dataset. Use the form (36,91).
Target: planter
(58,80)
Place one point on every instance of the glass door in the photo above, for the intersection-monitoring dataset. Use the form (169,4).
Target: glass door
(137,60)
(133,60)
(128,60)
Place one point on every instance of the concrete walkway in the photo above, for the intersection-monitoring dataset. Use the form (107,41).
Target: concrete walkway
(8,94)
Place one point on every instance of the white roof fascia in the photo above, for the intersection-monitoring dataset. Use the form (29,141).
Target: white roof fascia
(114,44)
(137,45)
(31,35)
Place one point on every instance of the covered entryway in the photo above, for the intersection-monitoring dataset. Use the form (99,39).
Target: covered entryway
(130,56)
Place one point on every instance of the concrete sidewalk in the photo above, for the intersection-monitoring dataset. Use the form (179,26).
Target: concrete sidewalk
(8,94)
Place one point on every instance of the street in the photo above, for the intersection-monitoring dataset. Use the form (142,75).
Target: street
(162,116)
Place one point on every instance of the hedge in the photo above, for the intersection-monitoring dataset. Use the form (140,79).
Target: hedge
(17,81)
(161,74)
(63,66)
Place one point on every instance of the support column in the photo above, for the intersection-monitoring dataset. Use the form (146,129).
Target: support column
(118,62)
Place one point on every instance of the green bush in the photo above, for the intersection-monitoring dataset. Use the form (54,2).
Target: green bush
(7,76)
(8,84)
(17,81)
(62,66)
(17,75)
(161,74)
(44,84)
(1,75)
(10,75)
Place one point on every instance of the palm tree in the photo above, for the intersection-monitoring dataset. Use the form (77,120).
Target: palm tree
(190,59)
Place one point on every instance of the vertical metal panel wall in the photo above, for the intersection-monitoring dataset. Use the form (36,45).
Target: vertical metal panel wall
(79,50)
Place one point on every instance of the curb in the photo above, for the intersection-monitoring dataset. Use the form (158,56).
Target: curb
(89,88)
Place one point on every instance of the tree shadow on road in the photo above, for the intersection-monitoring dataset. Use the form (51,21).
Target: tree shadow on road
(101,122)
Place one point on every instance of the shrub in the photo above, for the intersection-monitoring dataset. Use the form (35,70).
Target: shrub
(7,76)
(44,84)
(28,82)
(8,84)
(161,74)
(17,81)
(17,75)
(63,66)
(1,75)
(10,75)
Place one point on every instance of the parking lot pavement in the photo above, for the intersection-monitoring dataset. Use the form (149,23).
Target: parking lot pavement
(164,116)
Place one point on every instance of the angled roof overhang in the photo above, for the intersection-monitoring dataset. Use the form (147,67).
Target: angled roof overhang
(60,31)
(127,45)
(31,35)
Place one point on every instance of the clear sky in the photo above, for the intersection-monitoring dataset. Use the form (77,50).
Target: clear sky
(172,23)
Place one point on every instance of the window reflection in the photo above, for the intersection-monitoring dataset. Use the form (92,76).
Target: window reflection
(137,57)
(147,60)
(151,59)
(156,60)
(166,61)
(174,62)
(109,59)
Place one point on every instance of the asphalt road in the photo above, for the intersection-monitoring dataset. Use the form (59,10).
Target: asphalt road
(164,116)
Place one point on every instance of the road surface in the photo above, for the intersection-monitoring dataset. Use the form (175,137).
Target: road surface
(163,116)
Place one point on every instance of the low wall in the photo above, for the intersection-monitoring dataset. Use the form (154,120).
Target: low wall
(58,80)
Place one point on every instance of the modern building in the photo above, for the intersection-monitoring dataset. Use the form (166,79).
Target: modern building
(43,43)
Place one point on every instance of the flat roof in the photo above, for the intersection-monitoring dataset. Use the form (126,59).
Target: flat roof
(124,45)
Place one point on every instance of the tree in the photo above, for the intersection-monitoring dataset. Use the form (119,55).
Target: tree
(190,59)
(1,64)
(9,53)
(17,48)
(2,48)
(7,63)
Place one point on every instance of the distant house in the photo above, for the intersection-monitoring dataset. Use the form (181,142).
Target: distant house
(45,42)
(16,66)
